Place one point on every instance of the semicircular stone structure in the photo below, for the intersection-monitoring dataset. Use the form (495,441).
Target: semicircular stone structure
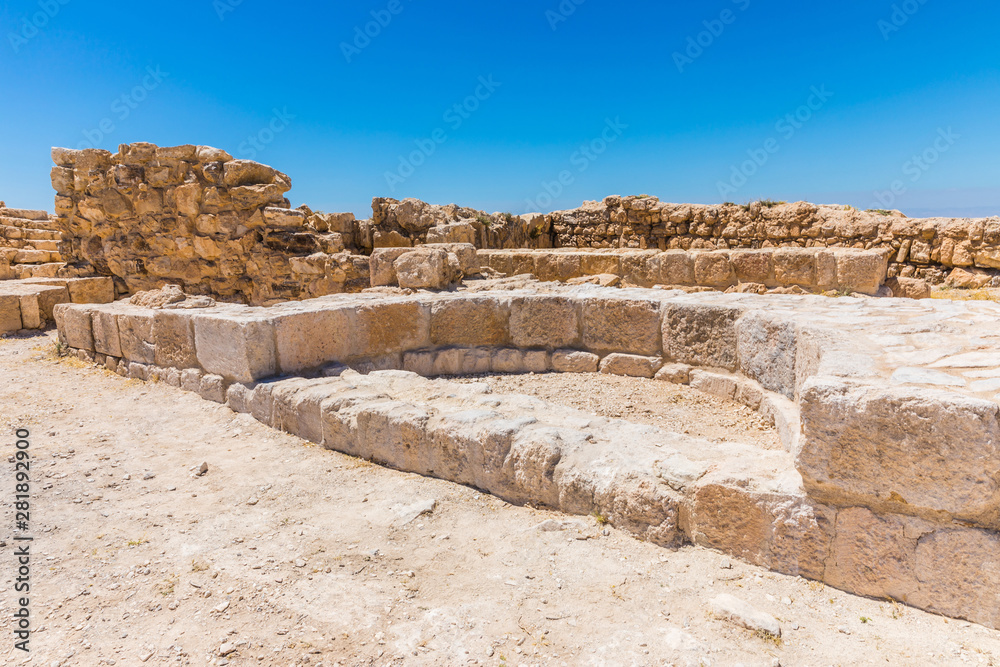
(888,485)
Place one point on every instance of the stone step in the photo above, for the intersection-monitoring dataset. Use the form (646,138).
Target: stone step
(49,270)
(8,232)
(24,213)
(27,223)
(50,245)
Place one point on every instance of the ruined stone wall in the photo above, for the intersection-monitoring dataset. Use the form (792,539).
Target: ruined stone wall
(920,248)
(194,216)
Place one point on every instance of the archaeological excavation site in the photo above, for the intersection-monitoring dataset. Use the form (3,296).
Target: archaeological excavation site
(859,351)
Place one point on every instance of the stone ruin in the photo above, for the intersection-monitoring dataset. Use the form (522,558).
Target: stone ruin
(344,332)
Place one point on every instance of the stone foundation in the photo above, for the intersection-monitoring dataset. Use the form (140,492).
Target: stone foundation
(889,484)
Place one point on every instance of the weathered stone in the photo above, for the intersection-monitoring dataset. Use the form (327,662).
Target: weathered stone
(545,321)
(701,335)
(575,361)
(621,325)
(631,365)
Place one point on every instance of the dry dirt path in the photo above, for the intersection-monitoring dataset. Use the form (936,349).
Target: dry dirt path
(286,554)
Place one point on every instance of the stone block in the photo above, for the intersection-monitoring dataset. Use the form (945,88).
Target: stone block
(456,232)
(753,266)
(575,361)
(794,266)
(594,264)
(716,384)
(556,266)
(191,380)
(106,337)
(912,451)
(382,265)
(173,337)
(308,337)
(766,348)
(391,327)
(420,362)
(462,361)
(545,321)
(31,316)
(10,313)
(74,324)
(514,360)
(713,269)
(629,326)
(239,348)
(213,388)
(135,334)
(424,268)
(675,373)
(631,365)
(676,268)
(471,321)
(91,290)
(701,335)
(861,271)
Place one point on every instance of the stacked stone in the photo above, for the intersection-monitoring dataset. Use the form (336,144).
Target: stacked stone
(195,216)
(28,244)
(922,248)
(411,222)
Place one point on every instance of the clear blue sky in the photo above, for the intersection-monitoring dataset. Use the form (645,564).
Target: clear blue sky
(895,80)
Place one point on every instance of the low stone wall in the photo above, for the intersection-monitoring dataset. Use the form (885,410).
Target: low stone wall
(192,215)
(29,304)
(917,248)
(889,487)
(812,269)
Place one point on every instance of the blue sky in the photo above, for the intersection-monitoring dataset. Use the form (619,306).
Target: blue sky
(524,105)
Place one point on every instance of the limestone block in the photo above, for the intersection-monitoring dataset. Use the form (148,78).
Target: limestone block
(676,268)
(471,321)
(631,365)
(594,264)
(10,313)
(861,271)
(713,269)
(909,288)
(734,610)
(766,348)
(212,388)
(826,270)
(173,337)
(545,321)
(873,555)
(247,172)
(910,450)
(701,335)
(383,269)
(424,268)
(74,324)
(191,379)
(716,384)
(137,371)
(392,327)
(310,337)
(641,268)
(31,316)
(575,361)
(795,266)
(456,232)
(556,266)
(514,360)
(135,334)
(753,266)
(675,373)
(239,348)
(629,326)
(106,337)
(420,362)
(462,361)
(91,290)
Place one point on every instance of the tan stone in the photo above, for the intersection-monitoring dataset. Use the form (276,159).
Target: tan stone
(713,269)
(471,321)
(631,365)
(173,335)
(575,361)
(74,324)
(545,321)
(91,290)
(10,313)
(628,326)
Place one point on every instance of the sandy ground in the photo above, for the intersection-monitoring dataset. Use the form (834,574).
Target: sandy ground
(676,408)
(286,554)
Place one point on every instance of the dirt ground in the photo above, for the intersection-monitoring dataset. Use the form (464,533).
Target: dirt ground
(283,553)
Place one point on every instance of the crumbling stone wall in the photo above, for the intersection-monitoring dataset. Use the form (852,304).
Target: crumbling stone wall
(917,248)
(195,216)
